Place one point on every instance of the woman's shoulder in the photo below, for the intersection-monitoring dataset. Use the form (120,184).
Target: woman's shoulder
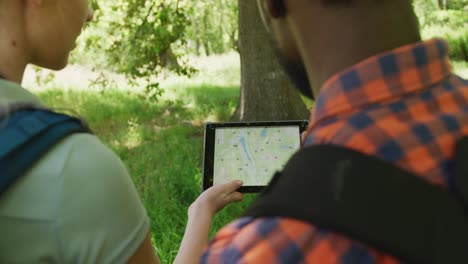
(76,162)
(80,184)
(84,155)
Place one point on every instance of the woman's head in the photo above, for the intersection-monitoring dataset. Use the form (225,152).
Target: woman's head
(51,29)
(41,32)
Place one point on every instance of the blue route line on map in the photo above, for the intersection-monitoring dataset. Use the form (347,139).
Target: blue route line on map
(244,146)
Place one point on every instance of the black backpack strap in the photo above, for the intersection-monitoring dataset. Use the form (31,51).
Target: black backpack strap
(371,201)
(27,136)
(461,170)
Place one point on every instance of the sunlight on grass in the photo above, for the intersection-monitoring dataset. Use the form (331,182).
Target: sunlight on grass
(221,71)
(461,68)
(218,70)
(133,137)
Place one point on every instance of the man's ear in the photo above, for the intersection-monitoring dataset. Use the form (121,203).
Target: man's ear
(276,8)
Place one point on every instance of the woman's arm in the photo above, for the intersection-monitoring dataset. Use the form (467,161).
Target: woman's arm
(200,214)
(145,253)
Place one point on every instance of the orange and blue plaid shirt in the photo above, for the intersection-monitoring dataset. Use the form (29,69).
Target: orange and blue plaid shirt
(403,106)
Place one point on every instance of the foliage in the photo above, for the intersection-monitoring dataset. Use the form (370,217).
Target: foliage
(452,4)
(42,78)
(137,38)
(424,9)
(213,27)
(458,45)
(451,24)
(142,38)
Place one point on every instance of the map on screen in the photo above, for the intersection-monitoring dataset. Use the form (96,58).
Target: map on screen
(253,154)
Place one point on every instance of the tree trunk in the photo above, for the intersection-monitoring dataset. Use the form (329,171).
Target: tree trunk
(440,4)
(197,39)
(206,27)
(169,60)
(266,92)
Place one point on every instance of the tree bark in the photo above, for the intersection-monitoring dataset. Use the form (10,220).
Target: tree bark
(169,60)
(266,92)
(206,41)
(440,4)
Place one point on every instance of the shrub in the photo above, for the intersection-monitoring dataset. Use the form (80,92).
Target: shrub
(451,25)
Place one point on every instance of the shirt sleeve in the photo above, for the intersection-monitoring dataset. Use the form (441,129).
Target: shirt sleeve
(280,240)
(101,218)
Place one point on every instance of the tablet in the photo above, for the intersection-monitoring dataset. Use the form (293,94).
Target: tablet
(248,151)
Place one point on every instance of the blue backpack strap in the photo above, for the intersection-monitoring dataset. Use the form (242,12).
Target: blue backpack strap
(27,136)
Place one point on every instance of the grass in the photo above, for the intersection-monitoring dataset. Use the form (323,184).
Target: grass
(461,68)
(161,142)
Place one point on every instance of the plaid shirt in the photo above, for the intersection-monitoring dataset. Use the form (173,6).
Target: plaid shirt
(403,106)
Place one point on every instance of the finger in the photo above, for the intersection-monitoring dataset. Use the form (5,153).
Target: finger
(236,197)
(232,186)
(226,188)
(221,191)
(231,198)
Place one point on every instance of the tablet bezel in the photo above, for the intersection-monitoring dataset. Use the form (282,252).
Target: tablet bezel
(209,144)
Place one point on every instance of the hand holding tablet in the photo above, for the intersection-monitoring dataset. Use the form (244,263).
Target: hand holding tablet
(249,151)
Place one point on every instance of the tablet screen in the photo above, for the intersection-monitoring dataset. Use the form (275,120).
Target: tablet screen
(252,154)
(249,151)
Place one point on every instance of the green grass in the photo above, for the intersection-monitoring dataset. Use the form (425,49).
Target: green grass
(461,68)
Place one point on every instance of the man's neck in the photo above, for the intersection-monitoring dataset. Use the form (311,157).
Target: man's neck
(347,40)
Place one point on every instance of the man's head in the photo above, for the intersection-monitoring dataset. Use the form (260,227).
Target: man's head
(285,51)
(314,39)
(45,30)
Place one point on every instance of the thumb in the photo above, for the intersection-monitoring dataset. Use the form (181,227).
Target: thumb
(232,186)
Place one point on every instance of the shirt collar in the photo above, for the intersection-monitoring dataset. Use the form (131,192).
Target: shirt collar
(11,92)
(385,76)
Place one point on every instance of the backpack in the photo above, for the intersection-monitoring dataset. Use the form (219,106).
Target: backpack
(26,134)
(374,202)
